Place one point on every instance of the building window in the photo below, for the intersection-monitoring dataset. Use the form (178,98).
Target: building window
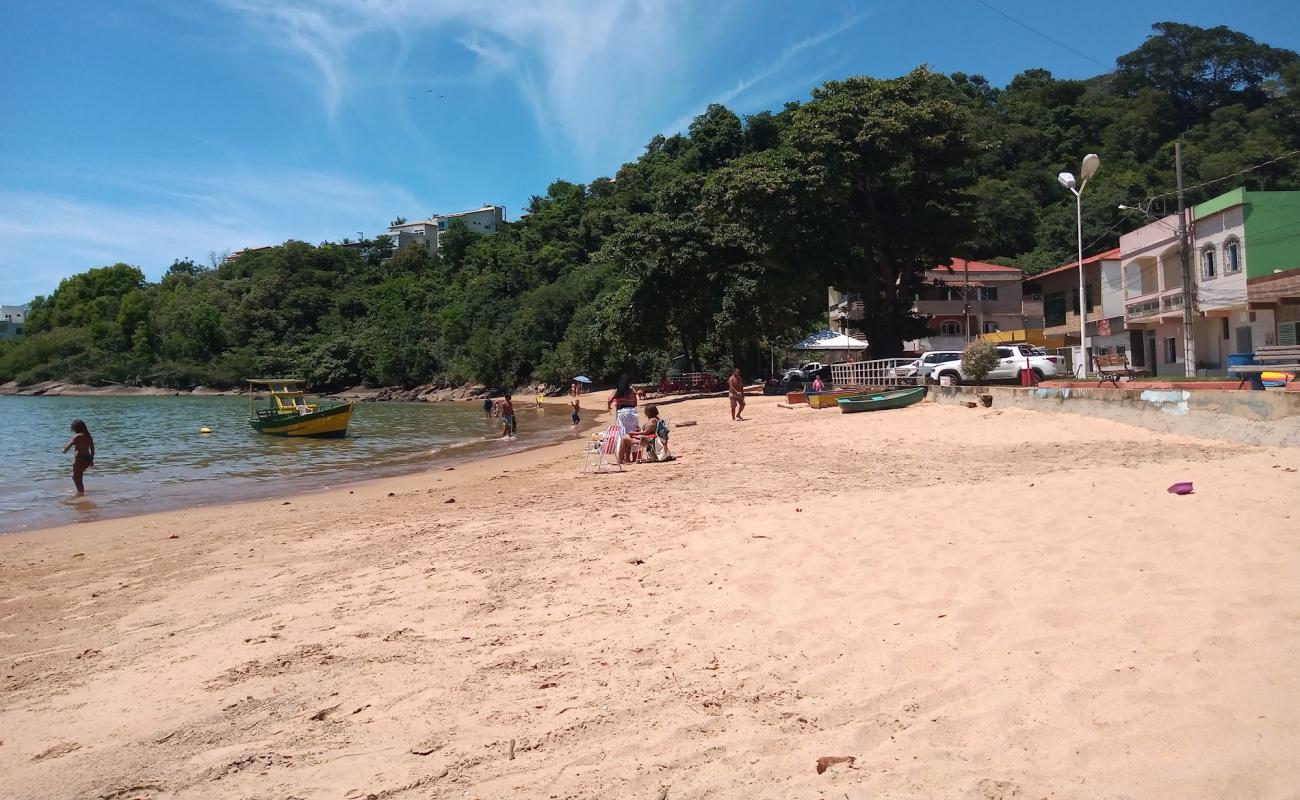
(1207,263)
(950,327)
(442,224)
(991,327)
(1054,306)
(1088,294)
(1224,329)
(1171,350)
(988,293)
(1232,256)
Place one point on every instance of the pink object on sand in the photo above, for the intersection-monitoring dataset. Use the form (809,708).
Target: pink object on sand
(1184,487)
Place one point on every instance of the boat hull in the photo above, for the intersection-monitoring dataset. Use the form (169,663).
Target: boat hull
(326,423)
(827,399)
(899,398)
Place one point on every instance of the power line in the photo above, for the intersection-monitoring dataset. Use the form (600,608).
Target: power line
(1260,165)
(1042,35)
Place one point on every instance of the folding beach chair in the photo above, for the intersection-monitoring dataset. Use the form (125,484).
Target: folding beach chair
(603,450)
(653,448)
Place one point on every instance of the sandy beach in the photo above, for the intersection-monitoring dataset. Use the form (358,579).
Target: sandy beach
(969,603)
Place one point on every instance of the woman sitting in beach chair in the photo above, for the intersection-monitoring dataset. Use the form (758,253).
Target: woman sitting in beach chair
(650,443)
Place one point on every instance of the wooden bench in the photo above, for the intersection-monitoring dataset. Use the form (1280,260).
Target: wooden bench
(1113,366)
(1278,358)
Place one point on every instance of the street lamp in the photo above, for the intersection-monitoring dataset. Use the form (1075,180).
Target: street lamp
(1089,168)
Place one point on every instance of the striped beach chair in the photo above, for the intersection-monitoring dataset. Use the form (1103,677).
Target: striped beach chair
(602,453)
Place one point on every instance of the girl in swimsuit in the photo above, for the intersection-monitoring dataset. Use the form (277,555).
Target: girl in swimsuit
(85,457)
(576,404)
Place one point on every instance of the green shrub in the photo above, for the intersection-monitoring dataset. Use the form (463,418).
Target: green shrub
(979,359)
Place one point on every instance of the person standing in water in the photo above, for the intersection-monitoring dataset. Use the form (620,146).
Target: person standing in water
(575,404)
(508,427)
(736,394)
(85,457)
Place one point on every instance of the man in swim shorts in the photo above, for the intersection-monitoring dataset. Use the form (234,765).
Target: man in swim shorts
(736,394)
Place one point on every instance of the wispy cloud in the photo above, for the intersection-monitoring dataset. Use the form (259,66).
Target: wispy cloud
(583,69)
(46,236)
(788,55)
(775,68)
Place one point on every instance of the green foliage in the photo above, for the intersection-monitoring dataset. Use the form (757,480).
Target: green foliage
(711,248)
(979,359)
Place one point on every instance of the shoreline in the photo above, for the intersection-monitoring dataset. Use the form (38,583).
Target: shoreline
(800,585)
(451,457)
(467,469)
(425,393)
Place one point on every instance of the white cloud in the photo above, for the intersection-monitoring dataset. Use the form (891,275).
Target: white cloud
(45,237)
(585,70)
(775,68)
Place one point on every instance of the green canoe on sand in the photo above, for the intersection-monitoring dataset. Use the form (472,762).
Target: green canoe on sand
(878,401)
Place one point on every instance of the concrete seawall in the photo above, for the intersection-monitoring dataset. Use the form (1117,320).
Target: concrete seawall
(1246,417)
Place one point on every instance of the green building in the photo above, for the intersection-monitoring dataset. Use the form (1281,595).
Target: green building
(1247,271)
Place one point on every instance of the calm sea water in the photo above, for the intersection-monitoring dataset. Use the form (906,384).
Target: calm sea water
(150,455)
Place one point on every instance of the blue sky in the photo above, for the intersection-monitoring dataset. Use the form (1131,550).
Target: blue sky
(148,130)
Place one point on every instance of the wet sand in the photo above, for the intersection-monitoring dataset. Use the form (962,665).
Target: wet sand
(974,603)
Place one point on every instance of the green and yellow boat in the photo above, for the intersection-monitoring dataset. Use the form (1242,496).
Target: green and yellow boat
(286,412)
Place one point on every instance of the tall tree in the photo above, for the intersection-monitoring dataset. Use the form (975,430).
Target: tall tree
(888,162)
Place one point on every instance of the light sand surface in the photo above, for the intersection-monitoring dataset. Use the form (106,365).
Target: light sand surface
(971,603)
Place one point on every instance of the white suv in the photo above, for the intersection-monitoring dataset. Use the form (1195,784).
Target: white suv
(920,368)
(1011,359)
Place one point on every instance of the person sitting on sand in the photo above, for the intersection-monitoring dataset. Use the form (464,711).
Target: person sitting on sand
(85,457)
(508,428)
(645,434)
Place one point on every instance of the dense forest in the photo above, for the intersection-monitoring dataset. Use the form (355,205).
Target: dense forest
(713,246)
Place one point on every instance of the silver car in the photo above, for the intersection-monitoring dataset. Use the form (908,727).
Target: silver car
(922,367)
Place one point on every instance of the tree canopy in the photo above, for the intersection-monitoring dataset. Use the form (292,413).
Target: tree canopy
(713,246)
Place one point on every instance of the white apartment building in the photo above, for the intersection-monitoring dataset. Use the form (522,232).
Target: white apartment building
(11,321)
(425,232)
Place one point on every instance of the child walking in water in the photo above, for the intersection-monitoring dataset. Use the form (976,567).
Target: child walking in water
(85,457)
(575,404)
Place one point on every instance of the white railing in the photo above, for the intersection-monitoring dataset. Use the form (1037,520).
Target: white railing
(879,372)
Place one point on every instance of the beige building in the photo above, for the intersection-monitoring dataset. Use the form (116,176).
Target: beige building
(425,232)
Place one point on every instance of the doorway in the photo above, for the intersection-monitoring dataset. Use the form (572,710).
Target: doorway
(1151,353)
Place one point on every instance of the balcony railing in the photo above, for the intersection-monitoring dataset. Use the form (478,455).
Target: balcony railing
(1153,305)
(1147,308)
(851,307)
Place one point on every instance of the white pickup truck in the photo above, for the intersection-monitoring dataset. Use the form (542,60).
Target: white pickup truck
(1011,359)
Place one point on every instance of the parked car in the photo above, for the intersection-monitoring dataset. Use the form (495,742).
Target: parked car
(1011,359)
(805,374)
(920,368)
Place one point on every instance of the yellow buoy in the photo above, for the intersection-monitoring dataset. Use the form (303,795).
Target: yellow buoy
(205,430)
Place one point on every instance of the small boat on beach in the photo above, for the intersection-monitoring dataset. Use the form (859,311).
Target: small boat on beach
(896,398)
(827,397)
(289,414)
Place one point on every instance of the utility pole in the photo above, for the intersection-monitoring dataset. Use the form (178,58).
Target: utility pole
(1184,255)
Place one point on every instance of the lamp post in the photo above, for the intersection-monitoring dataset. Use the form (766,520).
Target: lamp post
(1066,179)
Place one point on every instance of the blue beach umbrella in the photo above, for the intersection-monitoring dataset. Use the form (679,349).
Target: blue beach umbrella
(582,379)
